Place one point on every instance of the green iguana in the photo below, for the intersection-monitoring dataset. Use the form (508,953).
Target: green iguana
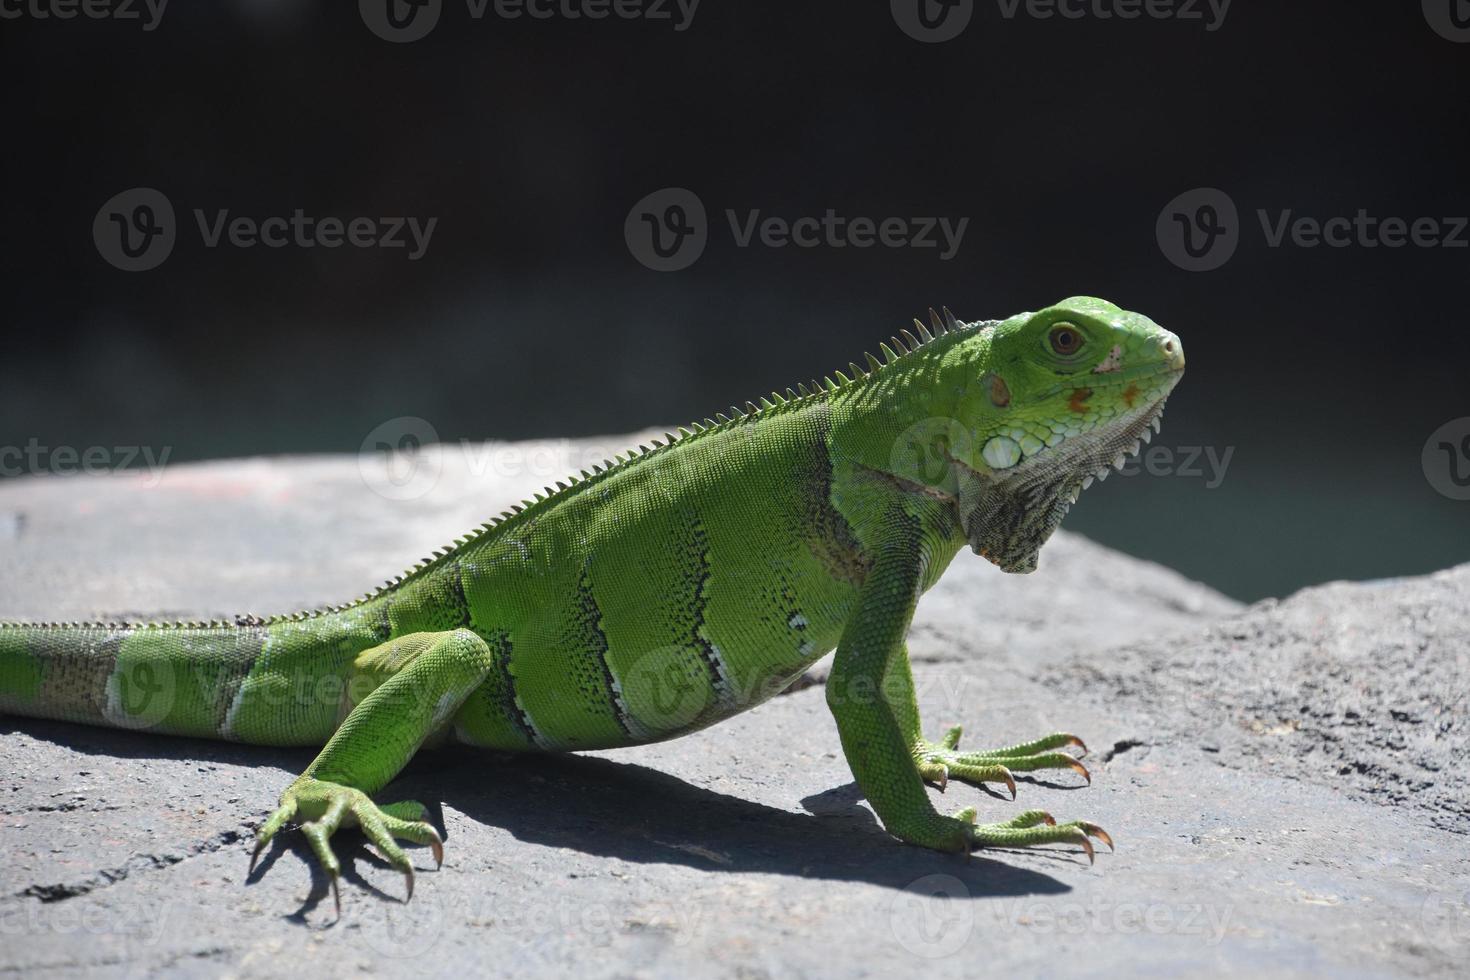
(670,589)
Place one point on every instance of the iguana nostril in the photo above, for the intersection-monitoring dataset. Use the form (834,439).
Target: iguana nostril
(1168,347)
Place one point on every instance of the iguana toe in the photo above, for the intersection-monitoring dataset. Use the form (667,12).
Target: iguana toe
(1036,827)
(939,761)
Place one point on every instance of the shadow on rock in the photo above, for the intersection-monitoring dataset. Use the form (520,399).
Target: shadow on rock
(122,744)
(637,814)
(601,807)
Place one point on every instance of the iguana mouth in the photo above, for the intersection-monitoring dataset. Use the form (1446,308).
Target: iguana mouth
(1009,514)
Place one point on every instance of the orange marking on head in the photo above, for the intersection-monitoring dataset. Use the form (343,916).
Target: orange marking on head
(1079,396)
(1130,395)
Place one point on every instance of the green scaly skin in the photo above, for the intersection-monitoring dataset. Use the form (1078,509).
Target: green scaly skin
(672,589)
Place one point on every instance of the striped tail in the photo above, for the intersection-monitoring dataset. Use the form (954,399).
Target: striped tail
(277,682)
(172,679)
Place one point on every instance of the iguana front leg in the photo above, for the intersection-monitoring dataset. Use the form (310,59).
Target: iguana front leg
(417,683)
(879,730)
(940,761)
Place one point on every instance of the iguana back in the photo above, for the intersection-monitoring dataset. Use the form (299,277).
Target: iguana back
(657,595)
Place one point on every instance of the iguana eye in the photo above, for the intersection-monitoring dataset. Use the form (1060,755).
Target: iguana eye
(1065,339)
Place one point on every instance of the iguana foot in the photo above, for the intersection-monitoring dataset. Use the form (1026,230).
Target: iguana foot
(1030,829)
(940,761)
(322,807)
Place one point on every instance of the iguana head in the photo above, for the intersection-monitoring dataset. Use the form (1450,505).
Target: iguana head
(1058,398)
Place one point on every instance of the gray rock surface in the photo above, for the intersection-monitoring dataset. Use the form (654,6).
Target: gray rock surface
(1283,781)
(1357,686)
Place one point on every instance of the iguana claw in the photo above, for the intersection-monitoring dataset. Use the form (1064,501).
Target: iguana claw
(255,856)
(1086,830)
(1087,846)
(327,806)
(1096,831)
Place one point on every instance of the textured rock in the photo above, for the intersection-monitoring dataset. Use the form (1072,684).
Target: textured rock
(1281,780)
(1358,686)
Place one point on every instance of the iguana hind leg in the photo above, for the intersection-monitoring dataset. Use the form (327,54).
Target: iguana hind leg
(414,684)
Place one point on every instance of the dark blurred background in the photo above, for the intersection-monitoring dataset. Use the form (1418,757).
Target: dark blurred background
(1323,370)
